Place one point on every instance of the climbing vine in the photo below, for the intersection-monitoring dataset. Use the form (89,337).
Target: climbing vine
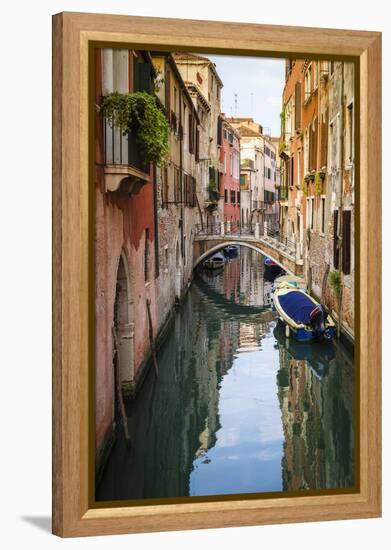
(138,112)
(308,236)
(282,118)
(282,146)
(318,183)
(304,185)
(336,282)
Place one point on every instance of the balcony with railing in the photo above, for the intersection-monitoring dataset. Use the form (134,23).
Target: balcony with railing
(124,160)
(258,205)
(247,164)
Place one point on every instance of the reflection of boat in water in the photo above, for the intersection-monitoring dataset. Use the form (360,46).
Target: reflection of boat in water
(317,357)
(216,261)
(306,318)
(231,251)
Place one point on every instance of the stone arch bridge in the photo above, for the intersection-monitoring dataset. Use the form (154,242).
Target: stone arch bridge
(284,253)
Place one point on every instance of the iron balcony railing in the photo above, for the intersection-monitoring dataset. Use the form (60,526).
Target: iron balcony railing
(122,149)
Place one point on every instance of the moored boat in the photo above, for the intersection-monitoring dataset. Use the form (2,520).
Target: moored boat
(268,262)
(216,261)
(272,269)
(231,250)
(306,318)
(292,280)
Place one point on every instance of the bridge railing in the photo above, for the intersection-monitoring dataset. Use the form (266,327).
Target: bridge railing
(207,229)
(269,231)
(224,228)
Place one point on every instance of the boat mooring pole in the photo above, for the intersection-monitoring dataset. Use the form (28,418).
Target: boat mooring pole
(119,389)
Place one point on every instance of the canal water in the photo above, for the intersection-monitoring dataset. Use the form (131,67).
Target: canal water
(237,407)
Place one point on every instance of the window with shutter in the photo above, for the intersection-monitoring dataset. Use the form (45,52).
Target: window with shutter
(144,78)
(335,239)
(292,176)
(219,129)
(324,135)
(346,245)
(136,76)
(131,61)
(310,147)
(191,149)
(197,147)
(298,106)
(168,91)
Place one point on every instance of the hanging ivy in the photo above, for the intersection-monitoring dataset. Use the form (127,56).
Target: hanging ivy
(138,112)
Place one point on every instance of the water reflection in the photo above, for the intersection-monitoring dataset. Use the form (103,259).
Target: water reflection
(236,408)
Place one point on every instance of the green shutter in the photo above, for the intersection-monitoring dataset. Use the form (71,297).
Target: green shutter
(142,77)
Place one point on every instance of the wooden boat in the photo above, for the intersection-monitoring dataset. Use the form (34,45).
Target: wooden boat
(268,262)
(216,261)
(306,319)
(271,268)
(291,280)
(231,250)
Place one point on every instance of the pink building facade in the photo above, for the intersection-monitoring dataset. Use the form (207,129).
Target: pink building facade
(230,175)
(125,236)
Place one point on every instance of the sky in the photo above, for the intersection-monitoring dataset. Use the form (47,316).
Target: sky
(258,83)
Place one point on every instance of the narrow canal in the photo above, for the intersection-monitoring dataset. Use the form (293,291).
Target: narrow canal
(237,407)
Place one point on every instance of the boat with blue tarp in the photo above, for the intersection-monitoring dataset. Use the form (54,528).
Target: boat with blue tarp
(306,318)
(231,251)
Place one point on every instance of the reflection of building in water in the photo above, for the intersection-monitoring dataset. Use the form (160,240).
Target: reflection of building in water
(242,280)
(231,281)
(316,409)
(185,395)
(248,337)
(251,280)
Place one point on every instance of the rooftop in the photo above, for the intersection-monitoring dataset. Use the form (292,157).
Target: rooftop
(186,57)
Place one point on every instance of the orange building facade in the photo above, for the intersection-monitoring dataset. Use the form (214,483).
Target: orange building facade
(317,179)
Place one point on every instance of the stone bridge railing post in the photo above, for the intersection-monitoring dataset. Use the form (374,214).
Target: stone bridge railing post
(222,229)
(265,229)
(257,231)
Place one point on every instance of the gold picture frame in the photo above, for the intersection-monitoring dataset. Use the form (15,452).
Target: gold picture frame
(73,35)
